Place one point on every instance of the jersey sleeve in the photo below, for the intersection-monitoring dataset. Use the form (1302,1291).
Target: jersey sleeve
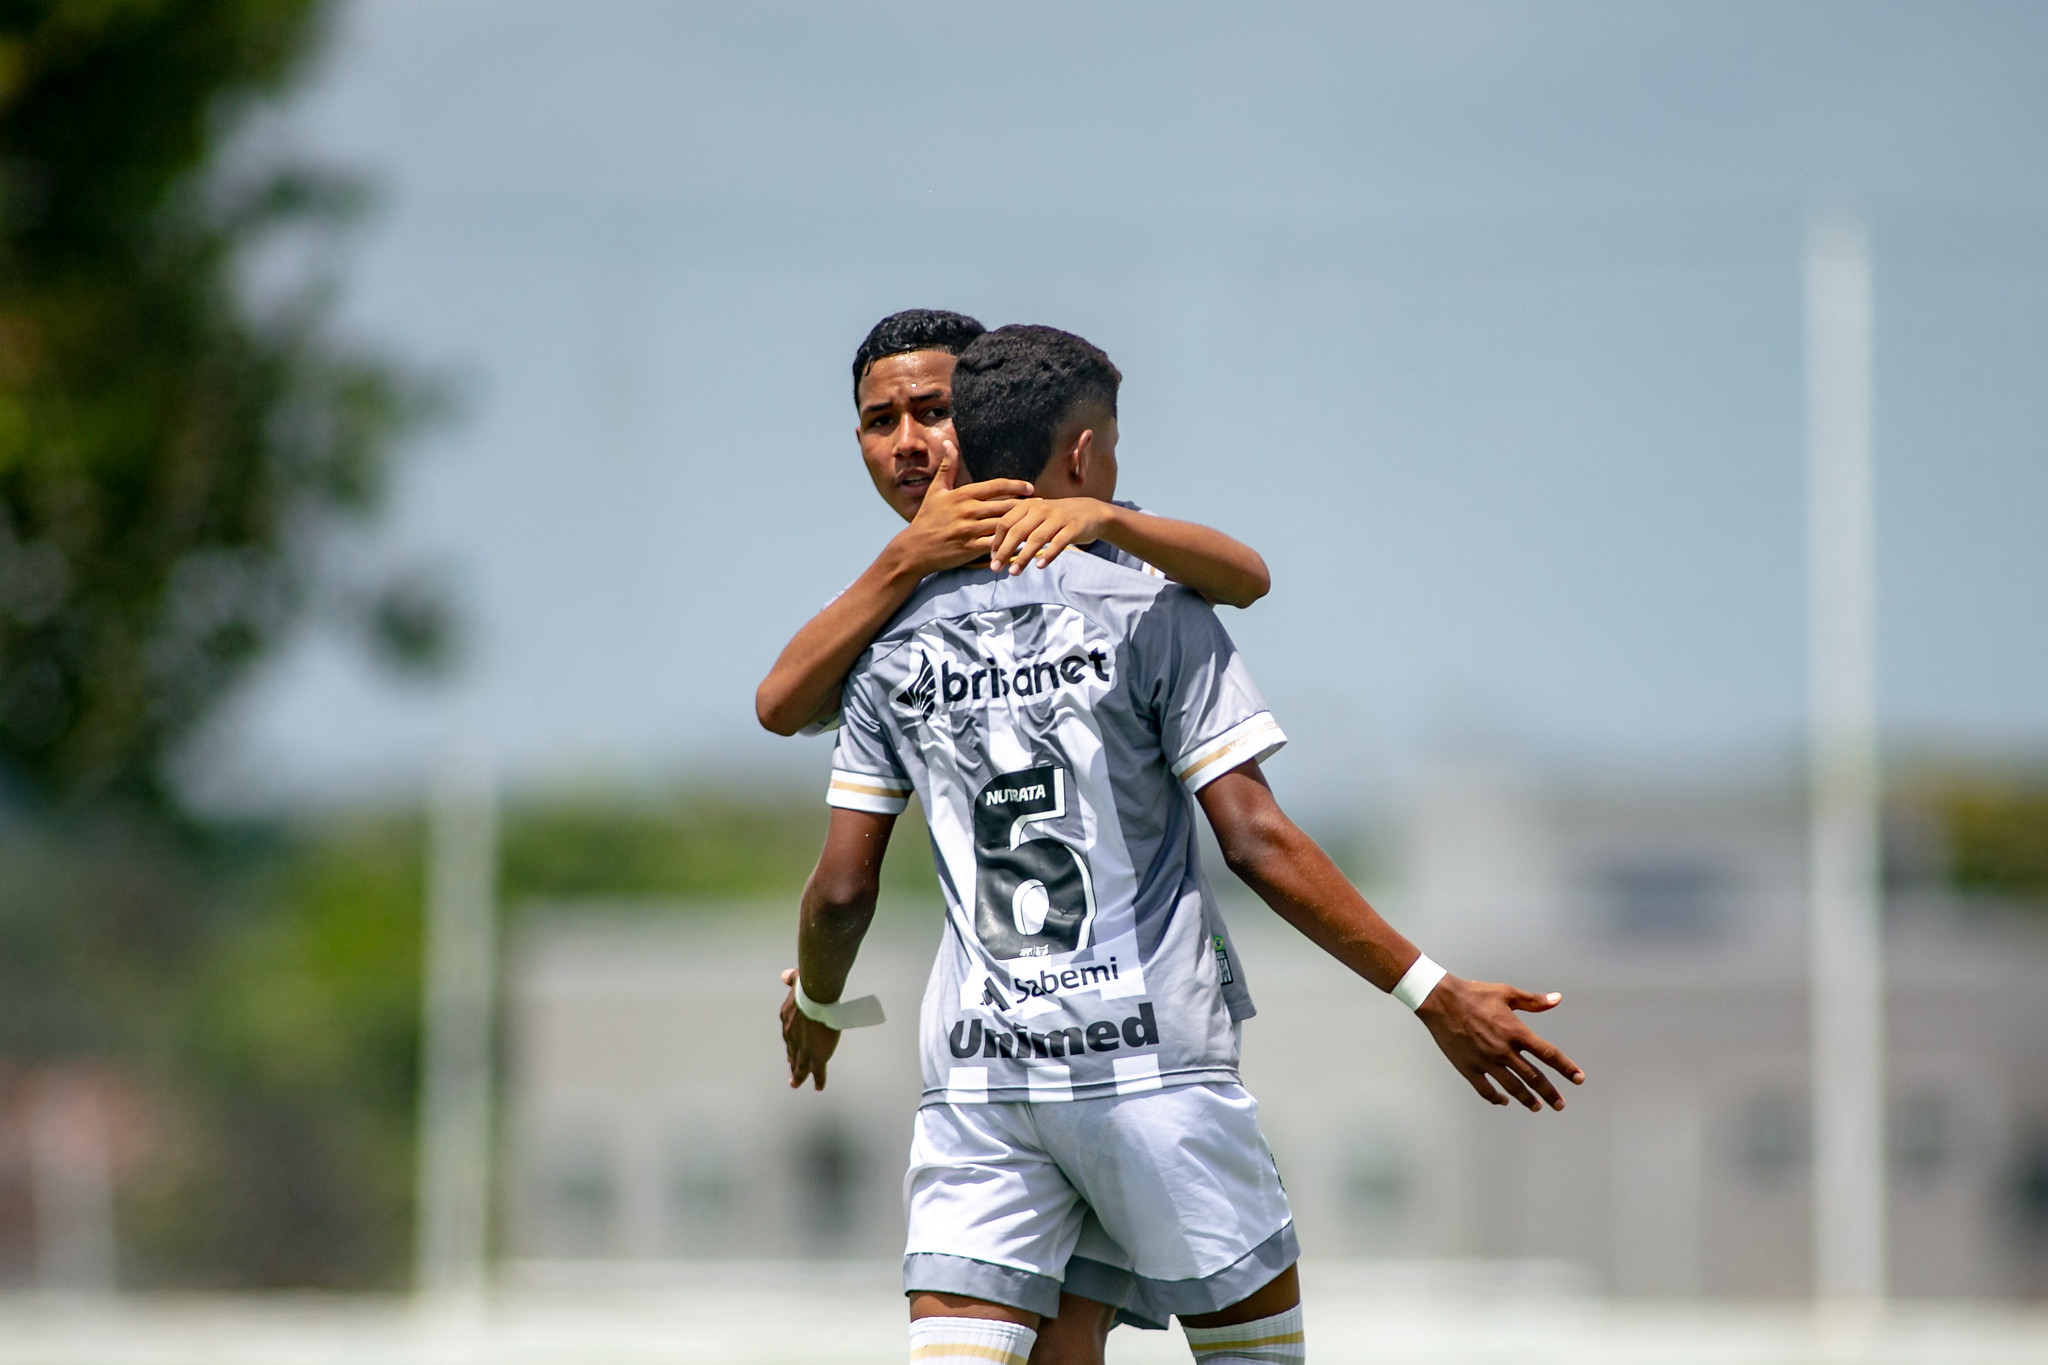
(1211,716)
(865,773)
(826,724)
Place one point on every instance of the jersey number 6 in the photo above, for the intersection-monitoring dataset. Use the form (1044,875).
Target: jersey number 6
(1032,897)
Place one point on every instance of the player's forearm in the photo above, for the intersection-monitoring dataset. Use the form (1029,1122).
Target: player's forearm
(1291,873)
(1220,568)
(806,678)
(1294,876)
(834,920)
(839,900)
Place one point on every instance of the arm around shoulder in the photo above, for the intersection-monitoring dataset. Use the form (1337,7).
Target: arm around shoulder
(804,683)
(953,525)
(1223,569)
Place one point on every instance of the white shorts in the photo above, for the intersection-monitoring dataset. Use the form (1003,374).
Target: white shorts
(1159,1203)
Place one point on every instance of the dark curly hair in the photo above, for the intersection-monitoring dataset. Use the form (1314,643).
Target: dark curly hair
(1013,390)
(914,329)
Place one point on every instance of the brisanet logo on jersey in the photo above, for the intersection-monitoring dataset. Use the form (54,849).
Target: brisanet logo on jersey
(977,683)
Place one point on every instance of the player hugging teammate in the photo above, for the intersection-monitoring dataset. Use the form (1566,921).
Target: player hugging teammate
(1084,1152)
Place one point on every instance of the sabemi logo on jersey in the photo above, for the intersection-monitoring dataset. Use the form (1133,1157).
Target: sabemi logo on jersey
(982,681)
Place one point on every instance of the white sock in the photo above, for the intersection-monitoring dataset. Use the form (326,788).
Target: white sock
(970,1341)
(1265,1341)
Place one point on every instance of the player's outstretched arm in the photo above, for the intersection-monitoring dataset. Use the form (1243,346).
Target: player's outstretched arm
(1473,1022)
(1213,564)
(953,526)
(838,905)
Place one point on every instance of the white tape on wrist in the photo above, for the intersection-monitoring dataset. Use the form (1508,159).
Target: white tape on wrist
(1418,981)
(840,1014)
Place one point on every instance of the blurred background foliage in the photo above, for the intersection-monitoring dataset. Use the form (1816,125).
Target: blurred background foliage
(1996,830)
(169,452)
(729,847)
(175,445)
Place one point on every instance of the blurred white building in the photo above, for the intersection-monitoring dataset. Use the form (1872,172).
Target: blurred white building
(1674,922)
(649,1114)
(649,1119)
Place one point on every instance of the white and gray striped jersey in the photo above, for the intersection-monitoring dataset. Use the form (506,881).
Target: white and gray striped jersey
(1055,725)
(1101,549)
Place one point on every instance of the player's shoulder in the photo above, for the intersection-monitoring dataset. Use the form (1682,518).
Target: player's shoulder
(1151,614)
(1100,586)
(1099,573)
(1075,579)
(1118,598)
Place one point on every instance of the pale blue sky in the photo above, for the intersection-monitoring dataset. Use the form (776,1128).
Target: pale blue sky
(1480,321)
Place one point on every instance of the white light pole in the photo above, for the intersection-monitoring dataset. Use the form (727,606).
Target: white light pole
(1844,870)
(454,1192)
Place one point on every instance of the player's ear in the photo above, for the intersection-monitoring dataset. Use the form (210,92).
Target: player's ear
(1081,455)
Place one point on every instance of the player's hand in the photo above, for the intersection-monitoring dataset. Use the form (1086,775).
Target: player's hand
(1036,530)
(957,524)
(809,1043)
(1475,1024)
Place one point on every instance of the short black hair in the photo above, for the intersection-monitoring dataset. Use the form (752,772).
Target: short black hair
(914,329)
(1013,390)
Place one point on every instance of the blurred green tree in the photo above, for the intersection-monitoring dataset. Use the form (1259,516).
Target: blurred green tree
(174,444)
(1997,828)
(165,446)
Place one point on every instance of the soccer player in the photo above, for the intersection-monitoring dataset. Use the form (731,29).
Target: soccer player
(902,386)
(902,390)
(1082,1109)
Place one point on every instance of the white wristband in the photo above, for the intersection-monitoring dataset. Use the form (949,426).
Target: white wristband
(1418,981)
(840,1014)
